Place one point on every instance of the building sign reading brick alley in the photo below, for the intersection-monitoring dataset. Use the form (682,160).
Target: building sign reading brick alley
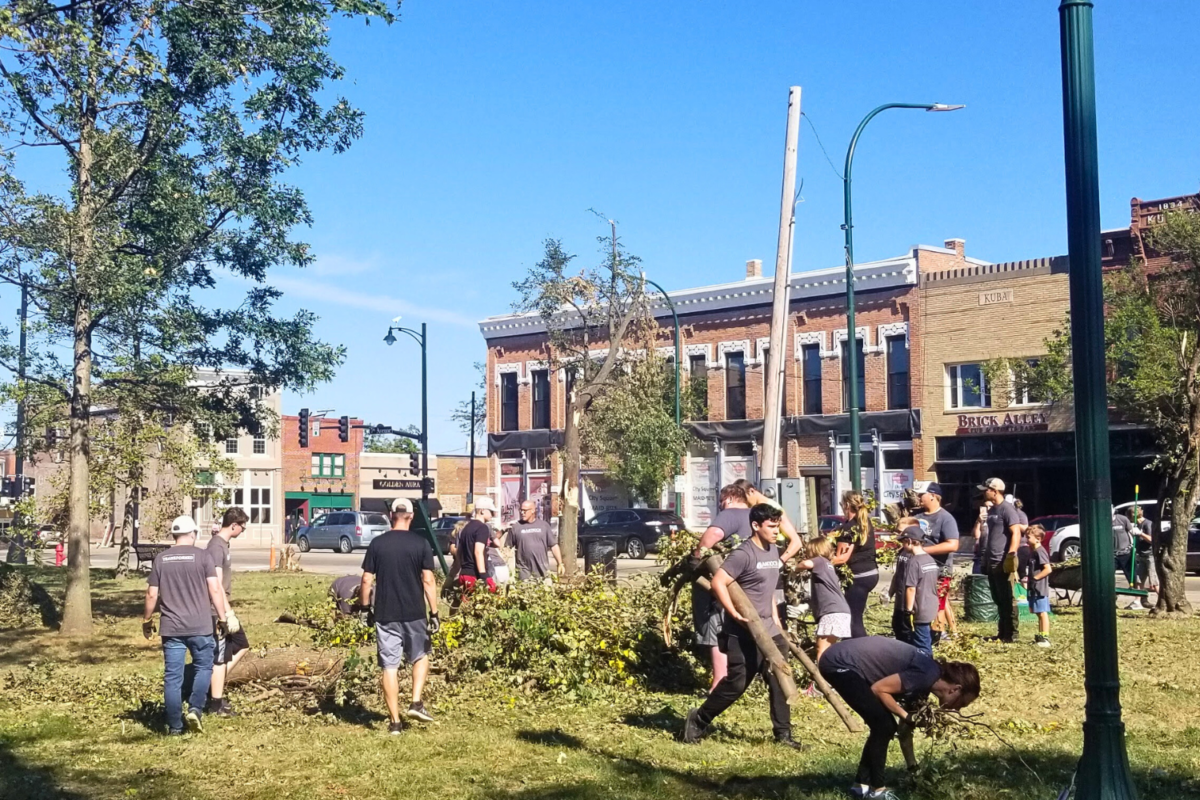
(1003,423)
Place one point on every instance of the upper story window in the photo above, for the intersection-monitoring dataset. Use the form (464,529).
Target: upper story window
(698,379)
(862,375)
(968,387)
(260,445)
(508,401)
(328,465)
(1022,394)
(810,358)
(735,386)
(541,398)
(231,446)
(897,371)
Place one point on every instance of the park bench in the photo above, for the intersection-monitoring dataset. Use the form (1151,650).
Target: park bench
(146,552)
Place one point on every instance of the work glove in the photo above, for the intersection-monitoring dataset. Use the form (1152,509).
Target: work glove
(370,620)
(1010,563)
(912,621)
(435,624)
(148,628)
(491,584)
(232,623)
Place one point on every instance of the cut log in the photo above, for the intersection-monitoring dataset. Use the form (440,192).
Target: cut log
(776,661)
(852,724)
(283,663)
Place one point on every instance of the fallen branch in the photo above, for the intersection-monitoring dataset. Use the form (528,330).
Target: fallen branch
(851,722)
(285,663)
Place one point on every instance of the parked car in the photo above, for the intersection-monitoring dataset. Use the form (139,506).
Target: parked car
(828,522)
(1193,550)
(341,531)
(637,530)
(443,527)
(1054,522)
(1064,544)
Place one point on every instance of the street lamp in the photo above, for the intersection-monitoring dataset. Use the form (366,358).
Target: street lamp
(678,418)
(420,339)
(851,339)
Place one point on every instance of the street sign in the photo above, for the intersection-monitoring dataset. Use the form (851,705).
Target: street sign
(680,484)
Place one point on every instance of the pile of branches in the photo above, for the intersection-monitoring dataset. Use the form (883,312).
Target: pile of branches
(25,603)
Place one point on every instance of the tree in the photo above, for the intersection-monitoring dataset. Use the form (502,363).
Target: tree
(1152,343)
(173,122)
(390,444)
(473,426)
(631,428)
(588,316)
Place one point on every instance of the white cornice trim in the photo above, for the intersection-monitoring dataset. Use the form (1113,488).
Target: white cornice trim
(891,329)
(512,366)
(812,337)
(874,275)
(705,350)
(861,332)
(760,344)
(740,346)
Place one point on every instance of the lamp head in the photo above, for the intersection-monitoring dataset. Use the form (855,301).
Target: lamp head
(390,339)
(945,107)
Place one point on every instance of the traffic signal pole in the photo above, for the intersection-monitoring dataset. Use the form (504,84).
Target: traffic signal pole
(1103,771)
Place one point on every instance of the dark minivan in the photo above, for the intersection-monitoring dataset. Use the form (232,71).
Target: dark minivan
(637,530)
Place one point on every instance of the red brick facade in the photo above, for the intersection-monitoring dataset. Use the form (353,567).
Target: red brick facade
(323,439)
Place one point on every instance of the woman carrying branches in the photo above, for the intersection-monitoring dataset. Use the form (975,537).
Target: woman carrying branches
(856,549)
(878,677)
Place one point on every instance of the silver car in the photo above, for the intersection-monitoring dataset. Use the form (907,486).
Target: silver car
(341,531)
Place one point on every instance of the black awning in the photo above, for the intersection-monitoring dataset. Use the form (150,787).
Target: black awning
(903,421)
(731,430)
(541,438)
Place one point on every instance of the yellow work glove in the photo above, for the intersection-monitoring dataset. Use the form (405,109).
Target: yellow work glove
(232,624)
(1010,563)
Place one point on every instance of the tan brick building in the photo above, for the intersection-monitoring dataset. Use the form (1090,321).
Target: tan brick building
(725,331)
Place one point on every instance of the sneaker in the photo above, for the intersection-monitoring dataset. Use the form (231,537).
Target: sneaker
(174,732)
(881,794)
(1041,641)
(1136,605)
(417,711)
(219,706)
(395,728)
(858,792)
(192,718)
(692,732)
(787,741)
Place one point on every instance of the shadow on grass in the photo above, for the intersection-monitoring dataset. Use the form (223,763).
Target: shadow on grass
(150,714)
(18,779)
(1023,772)
(665,719)
(350,713)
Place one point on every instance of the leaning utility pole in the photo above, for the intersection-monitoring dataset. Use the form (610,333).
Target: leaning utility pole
(777,354)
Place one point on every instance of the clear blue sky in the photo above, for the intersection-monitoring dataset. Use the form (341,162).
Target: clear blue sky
(491,126)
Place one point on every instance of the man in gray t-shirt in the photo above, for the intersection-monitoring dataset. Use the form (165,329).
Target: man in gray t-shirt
(232,644)
(184,588)
(534,541)
(755,568)
(707,616)
(1000,555)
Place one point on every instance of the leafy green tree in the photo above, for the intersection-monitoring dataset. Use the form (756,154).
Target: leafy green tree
(589,314)
(1152,342)
(173,123)
(390,444)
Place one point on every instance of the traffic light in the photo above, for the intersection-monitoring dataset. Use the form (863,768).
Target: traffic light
(344,429)
(304,427)
(427,485)
(414,463)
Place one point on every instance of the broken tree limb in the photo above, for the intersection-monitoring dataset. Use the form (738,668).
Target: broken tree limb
(852,724)
(283,663)
(766,645)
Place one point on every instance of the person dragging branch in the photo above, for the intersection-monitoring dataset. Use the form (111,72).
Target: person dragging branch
(754,566)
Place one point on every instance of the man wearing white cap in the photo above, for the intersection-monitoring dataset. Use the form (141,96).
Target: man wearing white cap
(184,587)
(400,565)
(1000,555)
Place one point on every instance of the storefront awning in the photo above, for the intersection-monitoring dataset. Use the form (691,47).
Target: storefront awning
(539,439)
(731,430)
(902,421)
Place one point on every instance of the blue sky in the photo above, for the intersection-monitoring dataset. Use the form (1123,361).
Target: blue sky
(490,127)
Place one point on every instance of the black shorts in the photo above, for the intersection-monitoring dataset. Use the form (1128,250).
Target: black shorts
(228,645)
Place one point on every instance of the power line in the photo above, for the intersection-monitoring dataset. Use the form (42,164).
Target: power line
(818,138)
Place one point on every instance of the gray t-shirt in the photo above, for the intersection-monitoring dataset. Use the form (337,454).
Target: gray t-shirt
(218,551)
(1122,534)
(734,522)
(1040,587)
(827,594)
(874,658)
(181,574)
(533,541)
(921,573)
(939,527)
(1000,520)
(757,571)
(344,590)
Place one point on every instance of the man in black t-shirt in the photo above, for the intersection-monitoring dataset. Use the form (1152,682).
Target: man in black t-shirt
(183,587)
(755,568)
(400,565)
(473,541)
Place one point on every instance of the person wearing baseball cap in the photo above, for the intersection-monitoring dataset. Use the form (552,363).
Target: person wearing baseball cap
(1000,555)
(941,542)
(183,587)
(472,547)
(399,565)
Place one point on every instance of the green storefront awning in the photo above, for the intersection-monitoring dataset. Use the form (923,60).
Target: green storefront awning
(323,499)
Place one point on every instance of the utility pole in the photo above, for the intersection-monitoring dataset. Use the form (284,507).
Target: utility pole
(1103,771)
(17,553)
(471,467)
(424,423)
(776,356)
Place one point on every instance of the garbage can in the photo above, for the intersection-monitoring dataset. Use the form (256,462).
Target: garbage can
(977,600)
(601,554)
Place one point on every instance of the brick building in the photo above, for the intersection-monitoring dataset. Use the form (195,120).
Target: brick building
(325,475)
(454,481)
(725,331)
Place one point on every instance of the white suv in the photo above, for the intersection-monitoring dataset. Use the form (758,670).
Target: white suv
(1064,544)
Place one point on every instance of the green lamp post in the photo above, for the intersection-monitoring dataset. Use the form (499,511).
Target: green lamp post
(851,340)
(678,416)
(1103,771)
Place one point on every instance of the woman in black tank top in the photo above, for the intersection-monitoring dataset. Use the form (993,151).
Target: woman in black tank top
(856,549)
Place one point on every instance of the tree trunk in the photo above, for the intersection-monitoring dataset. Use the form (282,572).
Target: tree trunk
(77,605)
(568,523)
(285,663)
(126,536)
(1171,558)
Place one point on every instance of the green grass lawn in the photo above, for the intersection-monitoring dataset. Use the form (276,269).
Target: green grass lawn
(85,733)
